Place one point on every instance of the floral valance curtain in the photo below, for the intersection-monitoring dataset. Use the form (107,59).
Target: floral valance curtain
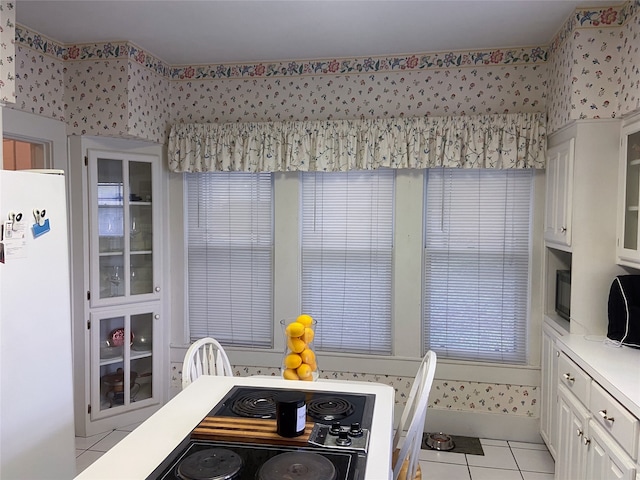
(480,141)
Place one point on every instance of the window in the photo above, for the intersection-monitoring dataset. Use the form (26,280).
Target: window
(24,154)
(476,264)
(347,240)
(230,245)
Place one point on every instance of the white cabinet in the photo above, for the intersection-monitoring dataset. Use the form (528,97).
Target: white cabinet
(116,199)
(573,419)
(549,389)
(605,460)
(590,240)
(628,241)
(123,213)
(596,435)
(123,371)
(559,192)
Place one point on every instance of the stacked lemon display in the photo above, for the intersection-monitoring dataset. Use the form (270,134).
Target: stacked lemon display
(299,359)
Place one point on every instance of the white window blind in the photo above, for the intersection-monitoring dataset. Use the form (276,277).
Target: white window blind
(347,240)
(230,245)
(476,264)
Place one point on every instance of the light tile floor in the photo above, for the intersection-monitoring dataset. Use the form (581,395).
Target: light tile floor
(502,460)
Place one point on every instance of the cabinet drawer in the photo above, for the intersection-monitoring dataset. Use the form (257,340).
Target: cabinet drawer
(616,419)
(574,378)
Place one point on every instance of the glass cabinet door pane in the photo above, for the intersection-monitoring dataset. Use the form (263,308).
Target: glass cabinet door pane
(142,356)
(632,192)
(141,228)
(110,190)
(114,374)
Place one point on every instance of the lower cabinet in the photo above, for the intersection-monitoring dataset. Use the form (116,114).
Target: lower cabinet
(605,460)
(549,389)
(589,446)
(573,420)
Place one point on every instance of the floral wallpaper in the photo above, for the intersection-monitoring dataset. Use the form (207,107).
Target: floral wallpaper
(149,103)
(560,85)
(96,97)
(445,394)
(7,52)
(584,64)
(39,83)
(448,91)
(630,59)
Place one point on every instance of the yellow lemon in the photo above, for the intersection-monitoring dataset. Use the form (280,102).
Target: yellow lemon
(290,374)
(308,335)
(303,371)
(307,356)
(294,329)
(296,345)
(313,365)
(308,379)
(305,320)
(293,360)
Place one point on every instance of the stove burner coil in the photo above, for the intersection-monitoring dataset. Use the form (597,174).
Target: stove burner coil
(210,464)
(327,409)
(298,466)
(255,405)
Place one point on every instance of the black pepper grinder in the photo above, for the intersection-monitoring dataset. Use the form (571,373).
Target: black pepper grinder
(291,414)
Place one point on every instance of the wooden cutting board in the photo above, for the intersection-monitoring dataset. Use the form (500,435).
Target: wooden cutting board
(254,430)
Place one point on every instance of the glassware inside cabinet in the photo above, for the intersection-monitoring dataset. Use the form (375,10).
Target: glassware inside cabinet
(112,277)
(110,206)
(141,231)
(141,272)
(632,197)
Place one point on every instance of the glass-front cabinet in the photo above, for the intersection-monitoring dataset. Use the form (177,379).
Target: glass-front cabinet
(124,246)
(115,196)
(123,363)
(629,197)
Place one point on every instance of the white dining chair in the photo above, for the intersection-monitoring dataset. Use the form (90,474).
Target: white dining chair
(205,357)
(405,459)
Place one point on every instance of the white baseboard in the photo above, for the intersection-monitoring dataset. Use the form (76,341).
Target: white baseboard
(484,425)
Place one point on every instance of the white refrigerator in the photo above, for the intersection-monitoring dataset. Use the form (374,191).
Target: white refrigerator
(36,385)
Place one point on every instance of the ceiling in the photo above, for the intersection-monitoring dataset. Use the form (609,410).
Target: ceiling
(213,31)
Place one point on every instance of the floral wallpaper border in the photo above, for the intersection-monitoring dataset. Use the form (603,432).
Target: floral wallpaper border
(410,62)
(595,18)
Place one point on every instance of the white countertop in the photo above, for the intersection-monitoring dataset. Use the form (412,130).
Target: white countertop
(616,369)
(140,452)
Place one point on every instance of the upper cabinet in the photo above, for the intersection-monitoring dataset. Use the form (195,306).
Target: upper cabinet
(557,217)
(628,245)
(124,243)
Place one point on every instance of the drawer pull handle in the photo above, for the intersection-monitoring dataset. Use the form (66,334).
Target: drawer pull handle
(603,414)
(586,441)
(578,432)
(568,377)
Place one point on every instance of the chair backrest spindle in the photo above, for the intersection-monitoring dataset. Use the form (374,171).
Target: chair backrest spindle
(205,357)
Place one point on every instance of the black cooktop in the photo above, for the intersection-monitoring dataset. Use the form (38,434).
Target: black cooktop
(322,407)
(197,460)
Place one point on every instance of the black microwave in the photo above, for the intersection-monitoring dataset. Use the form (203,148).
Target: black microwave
(563,293)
